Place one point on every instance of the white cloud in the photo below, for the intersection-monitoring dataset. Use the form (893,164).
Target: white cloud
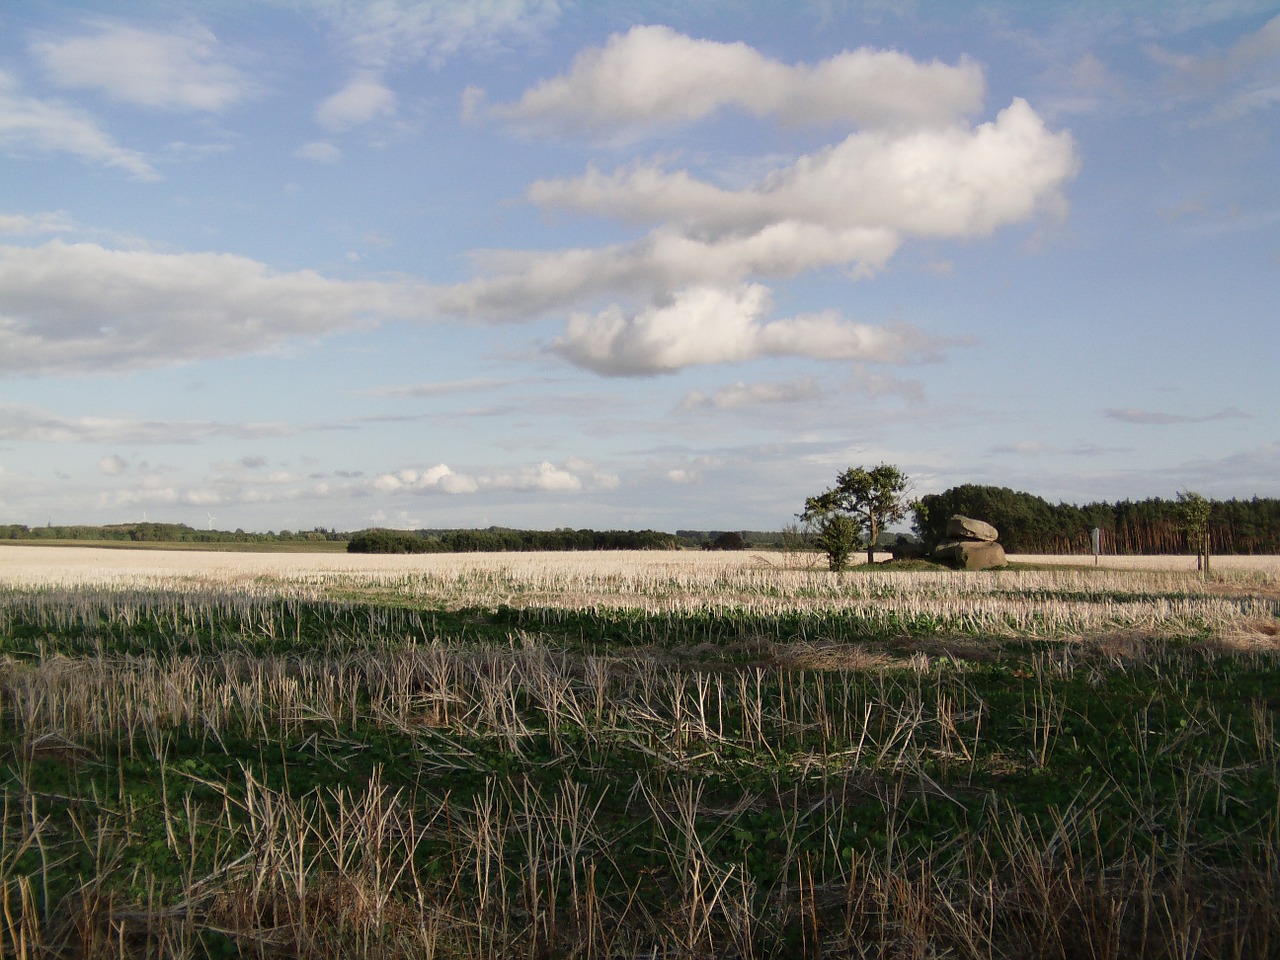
(439,477)
(569,477)
(952,181)
(19,224)
(849,205)
(653,75)
(113,465)
(662,262)
(30,125)
(320,151)
(365,98)
(706,325)
(178,70)
(70,308)
(203,498)
(739,395)
(544,477)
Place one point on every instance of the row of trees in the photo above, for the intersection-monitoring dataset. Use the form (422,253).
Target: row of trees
(1030,524)
(503,539)
(151,532)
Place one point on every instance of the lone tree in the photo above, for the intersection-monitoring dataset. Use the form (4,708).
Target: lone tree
(1193,514)
(862,502)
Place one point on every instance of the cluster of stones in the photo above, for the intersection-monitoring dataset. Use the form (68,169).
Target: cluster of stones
(970,545)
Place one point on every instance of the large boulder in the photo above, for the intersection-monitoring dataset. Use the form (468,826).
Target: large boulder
(971,554)
(966,528)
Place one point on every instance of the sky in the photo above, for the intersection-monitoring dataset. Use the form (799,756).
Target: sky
(288,264)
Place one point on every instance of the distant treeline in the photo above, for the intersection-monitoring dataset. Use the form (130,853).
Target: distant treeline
(1027,524)
(162,533)
(503,539)
(750,538)
(1030,524)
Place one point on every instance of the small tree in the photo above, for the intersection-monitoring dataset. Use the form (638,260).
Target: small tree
(866,501)
(838,537)
(1193,515)
(729,541)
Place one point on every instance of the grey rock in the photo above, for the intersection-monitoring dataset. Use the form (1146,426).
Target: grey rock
(966,528)
(971,554)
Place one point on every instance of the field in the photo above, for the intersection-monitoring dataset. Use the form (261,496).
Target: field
(667,755)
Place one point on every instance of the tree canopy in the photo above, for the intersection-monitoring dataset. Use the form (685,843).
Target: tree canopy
(861,504)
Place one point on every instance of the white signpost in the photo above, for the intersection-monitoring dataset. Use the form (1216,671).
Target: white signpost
(1095,535)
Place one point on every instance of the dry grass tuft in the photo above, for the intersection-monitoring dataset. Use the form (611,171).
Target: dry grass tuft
(827,655)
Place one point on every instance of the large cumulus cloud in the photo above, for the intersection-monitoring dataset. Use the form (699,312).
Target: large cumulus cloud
(691,289)
(653,75)
(707,325)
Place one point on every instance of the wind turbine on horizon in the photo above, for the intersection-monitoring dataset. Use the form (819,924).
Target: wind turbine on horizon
(211,518)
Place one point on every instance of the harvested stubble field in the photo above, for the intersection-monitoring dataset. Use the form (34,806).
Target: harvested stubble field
(634,755)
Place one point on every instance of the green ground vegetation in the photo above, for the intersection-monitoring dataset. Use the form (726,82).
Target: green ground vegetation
(205,772)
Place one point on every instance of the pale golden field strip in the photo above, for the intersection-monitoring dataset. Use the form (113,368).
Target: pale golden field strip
(1233,564)
(1067,597)
(22,564)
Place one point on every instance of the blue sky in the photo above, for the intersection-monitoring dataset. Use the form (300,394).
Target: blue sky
(621,265)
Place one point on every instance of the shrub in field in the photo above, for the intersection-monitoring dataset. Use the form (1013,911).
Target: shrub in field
(838,537)
(729,541)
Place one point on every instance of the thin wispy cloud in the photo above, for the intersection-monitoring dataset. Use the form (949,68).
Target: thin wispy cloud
(1240,80)
(381,35)
(1038,448)
(1156,418)
(35,224)
(441,388)
(27,423)
(318,151)
(38,126)
(743,395)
